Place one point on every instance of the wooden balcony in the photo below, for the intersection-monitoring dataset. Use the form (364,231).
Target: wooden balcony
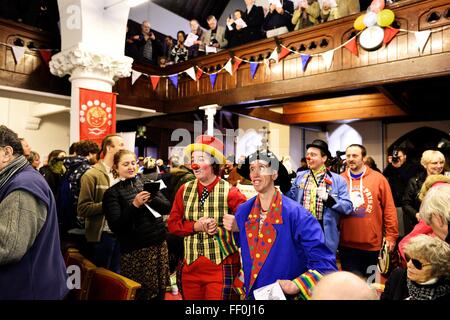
(31,72)
(374,75)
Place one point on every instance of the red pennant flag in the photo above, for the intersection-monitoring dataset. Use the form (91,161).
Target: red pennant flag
(389,34)
(46,55)
(199,73)
(352,46)
(284,52)
(237,63)
(97,114)
(155,81)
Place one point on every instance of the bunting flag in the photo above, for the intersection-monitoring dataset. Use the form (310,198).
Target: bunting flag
(351,45)
(46,55)
(274,55)
(267,64)
(305,60)
(229,67)
(174,79)
(135,75)
(18,53)
(212,79)
(328,58)
(97,114)
(237,63)
(389,34)
(253,68)
(422,38)
(199,73)
(191,73)
(154,80)
(284,52)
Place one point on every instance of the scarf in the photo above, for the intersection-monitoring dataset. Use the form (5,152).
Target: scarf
(311,201)
(427,292)
(12,169)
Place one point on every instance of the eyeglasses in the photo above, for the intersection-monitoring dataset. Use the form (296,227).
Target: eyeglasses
(417,264)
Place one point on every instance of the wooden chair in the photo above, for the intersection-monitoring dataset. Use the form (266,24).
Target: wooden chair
(73,257)
(108,285)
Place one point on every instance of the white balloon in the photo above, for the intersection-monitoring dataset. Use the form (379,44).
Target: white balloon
(370,19)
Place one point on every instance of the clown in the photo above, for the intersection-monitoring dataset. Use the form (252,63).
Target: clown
(211,260)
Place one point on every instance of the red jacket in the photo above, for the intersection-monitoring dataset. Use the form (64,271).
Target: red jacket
(377,216)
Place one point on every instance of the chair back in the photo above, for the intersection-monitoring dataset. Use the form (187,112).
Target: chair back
(73,257)
(108,285)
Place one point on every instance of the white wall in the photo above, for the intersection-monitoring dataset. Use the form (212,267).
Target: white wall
(160,19)
(371,134)
(396,130)
(52,134)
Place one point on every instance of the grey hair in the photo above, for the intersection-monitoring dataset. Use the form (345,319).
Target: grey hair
(433,250)
(436,201)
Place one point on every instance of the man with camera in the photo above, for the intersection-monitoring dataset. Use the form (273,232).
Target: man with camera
(398,172)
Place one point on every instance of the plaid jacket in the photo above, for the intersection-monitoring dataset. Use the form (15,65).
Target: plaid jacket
(216,205)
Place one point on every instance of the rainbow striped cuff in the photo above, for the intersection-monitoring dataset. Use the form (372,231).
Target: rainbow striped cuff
(306,283)
(226,242)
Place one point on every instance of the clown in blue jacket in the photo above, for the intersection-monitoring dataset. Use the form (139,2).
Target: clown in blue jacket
(280,240)
(323,193)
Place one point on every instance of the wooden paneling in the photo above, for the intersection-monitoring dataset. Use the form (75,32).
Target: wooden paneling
(367,106)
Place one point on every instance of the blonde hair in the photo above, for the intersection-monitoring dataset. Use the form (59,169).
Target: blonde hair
(429,155)
(430,181)
(436,201)
(433,250)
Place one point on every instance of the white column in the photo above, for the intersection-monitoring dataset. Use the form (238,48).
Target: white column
(88,70)
(210,111)
(92,41)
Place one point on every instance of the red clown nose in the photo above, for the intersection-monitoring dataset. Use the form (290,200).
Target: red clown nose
(195,166)
(308,158)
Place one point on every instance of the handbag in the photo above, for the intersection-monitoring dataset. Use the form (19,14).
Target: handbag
(384,259)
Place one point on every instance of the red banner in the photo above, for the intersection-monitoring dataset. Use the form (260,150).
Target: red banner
(97,114)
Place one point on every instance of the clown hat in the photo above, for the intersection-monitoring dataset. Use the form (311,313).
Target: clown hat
(207,144)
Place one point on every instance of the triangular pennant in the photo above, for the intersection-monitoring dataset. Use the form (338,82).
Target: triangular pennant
(229,67)
(305,60)
(351,45)
(389,34)
(422,38)
(18,53)
(328,58)
(46,55)
(253,68)
(237,63)
(267,64)
(134,76)
(199,73)
(212,79)
(274,55)
(284,52)
(154,80)
(191,73)
(174,79)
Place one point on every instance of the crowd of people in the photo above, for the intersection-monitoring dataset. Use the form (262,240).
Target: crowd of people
(242,26)
(189,219)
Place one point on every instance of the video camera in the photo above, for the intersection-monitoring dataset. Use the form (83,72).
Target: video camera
(395,157)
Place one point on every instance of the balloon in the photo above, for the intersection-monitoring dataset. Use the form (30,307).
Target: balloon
(359,23)
(385,18)
(370,19)
(377,5)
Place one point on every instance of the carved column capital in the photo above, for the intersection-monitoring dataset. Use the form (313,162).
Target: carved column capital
(67,61)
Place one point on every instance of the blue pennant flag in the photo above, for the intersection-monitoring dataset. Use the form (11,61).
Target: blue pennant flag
(253,67)
(305,60)
(212,79)
(174,80)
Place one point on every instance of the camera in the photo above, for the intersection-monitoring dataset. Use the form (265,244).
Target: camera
(395,157)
